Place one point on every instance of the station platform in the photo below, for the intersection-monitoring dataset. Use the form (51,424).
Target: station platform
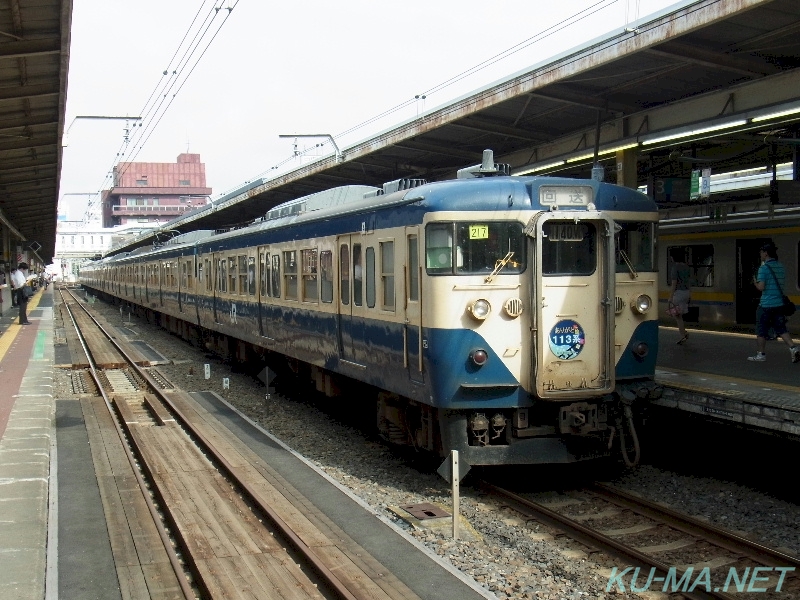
(54,537)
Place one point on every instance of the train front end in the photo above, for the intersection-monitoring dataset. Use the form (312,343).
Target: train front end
(545,348)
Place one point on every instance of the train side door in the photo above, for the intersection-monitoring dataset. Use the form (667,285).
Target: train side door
(264,289)
(220,283)
(351,298)
(573,296)
(747,264)
(412,302)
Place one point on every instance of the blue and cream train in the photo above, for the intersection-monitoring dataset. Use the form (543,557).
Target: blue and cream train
(511,318)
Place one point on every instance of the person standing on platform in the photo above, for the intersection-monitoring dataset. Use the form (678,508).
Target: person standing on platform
(19,279)
(681,294)
(770,280)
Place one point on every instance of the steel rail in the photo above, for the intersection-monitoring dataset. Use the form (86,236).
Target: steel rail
(186,588)
(687,524)
(330,579)
(595,539)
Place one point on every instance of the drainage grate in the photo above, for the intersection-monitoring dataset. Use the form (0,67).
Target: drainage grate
(425,510)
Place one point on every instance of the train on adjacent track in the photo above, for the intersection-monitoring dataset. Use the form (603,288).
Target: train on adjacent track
(513,319)
(720,243)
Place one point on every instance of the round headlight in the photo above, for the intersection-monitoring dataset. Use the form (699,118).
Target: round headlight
(642,304)
(479,309)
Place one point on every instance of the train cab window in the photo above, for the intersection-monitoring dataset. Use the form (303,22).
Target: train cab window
(326,276)
(369,276)
(251,275)
(344,273)
(242,275)
(700,260)
(478,247)
(290,274)
(569,248)
(309,266)
(358,276)
(635,246)
(387,275)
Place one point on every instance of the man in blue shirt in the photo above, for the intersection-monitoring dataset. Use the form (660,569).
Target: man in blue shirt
(770,280)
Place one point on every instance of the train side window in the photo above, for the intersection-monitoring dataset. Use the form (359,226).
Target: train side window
(232,274)
(700,260)
(439,248)
(413,269)
(326,276)
(387,275)
(263,262)
(309,267)
(370,276)
(275,290)
(243,275)
(358,276)
(222,275)
(344,273)
(290,274)
(200,280)
(184,276)
(251,275)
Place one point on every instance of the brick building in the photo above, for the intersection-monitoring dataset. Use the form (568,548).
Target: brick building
(149,194)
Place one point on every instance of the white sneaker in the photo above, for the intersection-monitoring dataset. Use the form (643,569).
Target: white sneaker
(759,357)
(795,352)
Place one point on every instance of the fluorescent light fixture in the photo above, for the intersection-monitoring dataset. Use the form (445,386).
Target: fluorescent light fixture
(558,163)
(580,157)
(618,148)
(693,132)
(775,115)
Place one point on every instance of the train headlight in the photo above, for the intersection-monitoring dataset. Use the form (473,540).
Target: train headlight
(479,357)
(642,304)
(479,309)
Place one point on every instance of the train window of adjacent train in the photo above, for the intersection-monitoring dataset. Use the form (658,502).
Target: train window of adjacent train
(275,290)
(326,276)
(344,273)
(290,274)
(387,274)
(309,271)
(243,275)
(700,260)
(636,242)
(413,268)
(358,276)
(569,249)
(369,276)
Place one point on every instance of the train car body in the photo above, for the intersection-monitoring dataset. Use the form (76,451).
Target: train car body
(510,318)
(721,251)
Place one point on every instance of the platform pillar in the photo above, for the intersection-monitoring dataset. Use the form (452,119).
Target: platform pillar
(626,168)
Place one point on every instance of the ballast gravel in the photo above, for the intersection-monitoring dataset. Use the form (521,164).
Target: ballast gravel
(499,550)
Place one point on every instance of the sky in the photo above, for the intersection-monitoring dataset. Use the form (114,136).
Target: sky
(237,81)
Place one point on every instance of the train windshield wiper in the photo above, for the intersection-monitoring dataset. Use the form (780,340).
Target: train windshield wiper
(498,266)
(624,256)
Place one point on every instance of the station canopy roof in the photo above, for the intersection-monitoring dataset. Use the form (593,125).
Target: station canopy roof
(34,58)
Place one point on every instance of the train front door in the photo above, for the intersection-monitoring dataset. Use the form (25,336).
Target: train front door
(351,298)
(573,302)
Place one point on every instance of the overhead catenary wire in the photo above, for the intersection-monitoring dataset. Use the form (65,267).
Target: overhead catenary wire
(162,96)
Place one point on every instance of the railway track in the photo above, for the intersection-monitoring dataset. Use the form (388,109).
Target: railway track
(224,522)
(660,549)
